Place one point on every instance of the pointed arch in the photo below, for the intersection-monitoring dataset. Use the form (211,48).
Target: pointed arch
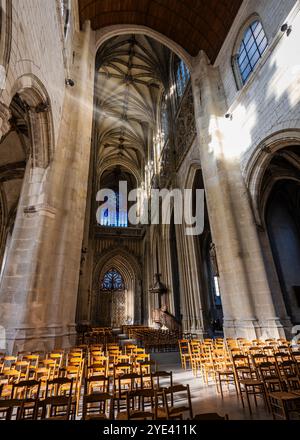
(130,270)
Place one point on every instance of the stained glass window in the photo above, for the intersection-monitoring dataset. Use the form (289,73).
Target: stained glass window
(112,280)
(182,76)
(113,214)
(164,120)
(251,49)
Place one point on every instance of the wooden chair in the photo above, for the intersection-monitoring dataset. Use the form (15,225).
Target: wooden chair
(174,408)
(97,406)
(283,404)
(7,407)
(225,375)
(96,384)
(97,370)
(23,367)
(28,392)
(162,380)
(136,401)
(57,407)
(247,381)
(122,368)
(56,388)
(289,373)
(123,384)
(75,372)
(184,353)
(268,373)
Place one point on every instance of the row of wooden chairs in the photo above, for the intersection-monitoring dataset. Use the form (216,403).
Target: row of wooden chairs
(269,370)
(29,401)
(102,380)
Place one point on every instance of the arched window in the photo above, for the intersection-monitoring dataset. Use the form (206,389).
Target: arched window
(112,280)
(113,214)
(251,48)
(182,76)
(164,119)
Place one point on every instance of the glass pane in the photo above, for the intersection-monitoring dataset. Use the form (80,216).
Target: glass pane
(242,56)
(247,36)
(250,43)
(242,47)
(246,72)
(252,51)
(112,280)
(260,37)
(263,45)
(255,26)
(244,64)
(254,59)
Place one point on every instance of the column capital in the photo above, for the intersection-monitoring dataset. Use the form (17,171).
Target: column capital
(5,115)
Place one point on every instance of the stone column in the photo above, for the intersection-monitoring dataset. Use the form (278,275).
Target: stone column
(85,287)
(191,307)
(246,298)
(39,287)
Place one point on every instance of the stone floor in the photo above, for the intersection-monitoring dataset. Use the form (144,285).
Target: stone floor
(205,398)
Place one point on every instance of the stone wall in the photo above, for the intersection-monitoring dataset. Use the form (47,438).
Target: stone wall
(270,99)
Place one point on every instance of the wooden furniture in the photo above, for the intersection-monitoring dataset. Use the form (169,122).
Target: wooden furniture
(284,404)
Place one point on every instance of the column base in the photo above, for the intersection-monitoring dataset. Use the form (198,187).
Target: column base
(253,328)
(45,338)
(193,326)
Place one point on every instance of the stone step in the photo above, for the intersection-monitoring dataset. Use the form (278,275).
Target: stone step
(127,341)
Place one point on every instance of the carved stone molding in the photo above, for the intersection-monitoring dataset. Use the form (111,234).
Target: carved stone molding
(185,126)
(40,209)
(5,116)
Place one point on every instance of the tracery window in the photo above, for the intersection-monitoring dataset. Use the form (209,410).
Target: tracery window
(182,76)
(252,47)
(112,280)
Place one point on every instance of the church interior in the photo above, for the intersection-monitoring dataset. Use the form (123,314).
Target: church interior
(149,209)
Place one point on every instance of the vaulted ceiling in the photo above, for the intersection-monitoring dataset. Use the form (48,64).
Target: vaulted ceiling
(193,24)
(130,78)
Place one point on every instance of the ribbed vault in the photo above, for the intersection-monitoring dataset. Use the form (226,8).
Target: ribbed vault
(131,73)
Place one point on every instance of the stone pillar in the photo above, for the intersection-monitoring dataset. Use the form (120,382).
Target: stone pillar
(190,298)
(83,312)
(246,298)
(38,292)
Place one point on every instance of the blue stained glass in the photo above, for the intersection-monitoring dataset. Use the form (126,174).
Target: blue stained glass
(112,280)
(114,215)
(182,78)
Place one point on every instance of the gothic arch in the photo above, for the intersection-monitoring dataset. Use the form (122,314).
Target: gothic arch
(259,162)
(273,165)
(130,270)
(189,177)
(111,31)
(123,163)
(36,101)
